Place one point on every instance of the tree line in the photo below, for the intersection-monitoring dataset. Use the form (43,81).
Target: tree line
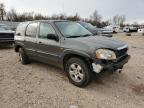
(95,19)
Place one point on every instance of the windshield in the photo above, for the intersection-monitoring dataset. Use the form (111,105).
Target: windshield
(4,27)
(72,29)
(87,25)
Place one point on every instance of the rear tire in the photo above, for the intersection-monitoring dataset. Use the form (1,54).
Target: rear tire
(78,72)
(23,58)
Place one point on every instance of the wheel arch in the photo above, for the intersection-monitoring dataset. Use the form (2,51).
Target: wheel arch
(82,56)
(18,45)
(17,48)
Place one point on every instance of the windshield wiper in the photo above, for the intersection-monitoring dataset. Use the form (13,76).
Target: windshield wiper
(85,35)
(79,36)
(73,36)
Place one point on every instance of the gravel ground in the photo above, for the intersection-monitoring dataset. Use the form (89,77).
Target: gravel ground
(39,85)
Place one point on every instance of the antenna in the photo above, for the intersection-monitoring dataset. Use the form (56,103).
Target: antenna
(63,6)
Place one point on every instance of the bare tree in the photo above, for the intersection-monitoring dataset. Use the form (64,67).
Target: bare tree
(2,11)
(12,15)
(119,20)
(76,17)
(40,17)
(96,17)
(135,23)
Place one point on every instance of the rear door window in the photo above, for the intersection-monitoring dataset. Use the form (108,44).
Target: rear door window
(31,30)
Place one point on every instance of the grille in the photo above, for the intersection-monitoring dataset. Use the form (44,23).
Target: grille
(121,52)
(6,35)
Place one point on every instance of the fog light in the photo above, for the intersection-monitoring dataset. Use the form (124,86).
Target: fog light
(97,67)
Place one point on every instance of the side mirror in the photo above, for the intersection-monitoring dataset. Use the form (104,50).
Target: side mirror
(52,37)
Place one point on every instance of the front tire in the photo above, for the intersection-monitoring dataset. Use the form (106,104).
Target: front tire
(23,58)
(78,72)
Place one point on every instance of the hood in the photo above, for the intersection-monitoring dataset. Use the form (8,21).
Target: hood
(7,31)
(96,42)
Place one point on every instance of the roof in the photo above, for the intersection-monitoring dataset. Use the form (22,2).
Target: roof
(50,20)
(46,21)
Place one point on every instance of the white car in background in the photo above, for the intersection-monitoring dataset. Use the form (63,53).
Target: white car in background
(130,29)
(114,28)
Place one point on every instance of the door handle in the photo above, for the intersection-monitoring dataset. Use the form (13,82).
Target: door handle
(40,42)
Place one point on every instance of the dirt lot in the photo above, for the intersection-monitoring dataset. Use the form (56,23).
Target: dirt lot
(38,85)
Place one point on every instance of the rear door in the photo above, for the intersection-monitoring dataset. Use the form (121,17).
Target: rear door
(30,38)
(48,50)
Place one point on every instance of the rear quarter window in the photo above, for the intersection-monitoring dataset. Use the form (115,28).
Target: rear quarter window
(20,31)
(31,30)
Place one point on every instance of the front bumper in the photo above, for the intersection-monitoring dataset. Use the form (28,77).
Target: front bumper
(100,65)
(3,41)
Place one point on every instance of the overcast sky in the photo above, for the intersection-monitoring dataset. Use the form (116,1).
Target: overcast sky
(133,9)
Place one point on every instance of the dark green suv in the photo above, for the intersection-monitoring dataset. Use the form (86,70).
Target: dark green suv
(70,46)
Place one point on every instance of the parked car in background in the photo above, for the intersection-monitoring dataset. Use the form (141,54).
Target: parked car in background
(106,32)
(70,46)
(130,29)
(113,28)
(116,29)
(12,25)
(96,31)
(6,35)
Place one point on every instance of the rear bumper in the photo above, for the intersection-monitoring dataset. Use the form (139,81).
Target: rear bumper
(100,65)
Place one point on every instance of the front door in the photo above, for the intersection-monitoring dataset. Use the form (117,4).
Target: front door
(48,50)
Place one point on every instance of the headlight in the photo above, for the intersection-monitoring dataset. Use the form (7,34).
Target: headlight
(105,54)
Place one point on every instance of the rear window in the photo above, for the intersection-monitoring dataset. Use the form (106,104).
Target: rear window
(31,30)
